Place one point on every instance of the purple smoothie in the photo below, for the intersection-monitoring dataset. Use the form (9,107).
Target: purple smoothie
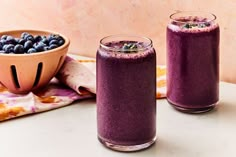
(126,88)
(193,63)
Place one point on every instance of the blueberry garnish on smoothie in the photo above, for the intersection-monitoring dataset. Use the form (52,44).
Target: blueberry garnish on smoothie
(130,47)
(194,22)
(189,25)
(199,25)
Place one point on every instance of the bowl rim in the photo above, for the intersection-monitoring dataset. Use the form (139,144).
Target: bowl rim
(65,45)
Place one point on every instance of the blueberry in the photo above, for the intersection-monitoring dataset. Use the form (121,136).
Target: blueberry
(50,37)
(3,41)
(60,38)
(9,48)
(4,47)
(39,43)
(28,44)
(61,42)
(35,44)
(130,47)
(187,25)
(37,38)
(9,37)
(39,46)
(18,49)
(24,34)
(43,37)
(1,46)
(10,40)
(53,42)
(53,46)
(45,41)
(46,48)
(29,37)
(17,40)
(31,50)
(4,37)
(22,41)
(53,37)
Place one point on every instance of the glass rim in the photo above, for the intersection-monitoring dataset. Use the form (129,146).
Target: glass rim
(195,13)
(102,43)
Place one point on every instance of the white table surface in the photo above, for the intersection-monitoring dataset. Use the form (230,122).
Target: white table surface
(71,132)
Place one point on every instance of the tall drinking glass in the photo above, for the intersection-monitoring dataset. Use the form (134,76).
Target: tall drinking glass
(126,89)
(193,61)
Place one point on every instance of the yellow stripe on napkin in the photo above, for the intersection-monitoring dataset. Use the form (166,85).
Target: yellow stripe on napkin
(161,81)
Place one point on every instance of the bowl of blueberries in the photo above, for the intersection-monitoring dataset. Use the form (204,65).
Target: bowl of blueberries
(29,59)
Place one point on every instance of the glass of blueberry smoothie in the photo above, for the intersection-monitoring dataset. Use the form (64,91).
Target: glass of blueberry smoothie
(126,89)
(193,61)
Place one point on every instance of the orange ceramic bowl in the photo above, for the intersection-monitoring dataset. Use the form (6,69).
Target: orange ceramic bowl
(22,73)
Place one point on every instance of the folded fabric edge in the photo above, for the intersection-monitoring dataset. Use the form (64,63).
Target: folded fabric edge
(8,113)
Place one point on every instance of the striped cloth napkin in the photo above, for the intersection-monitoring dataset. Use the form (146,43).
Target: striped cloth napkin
(75,81)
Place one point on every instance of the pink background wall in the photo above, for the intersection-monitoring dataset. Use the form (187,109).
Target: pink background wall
(85,22)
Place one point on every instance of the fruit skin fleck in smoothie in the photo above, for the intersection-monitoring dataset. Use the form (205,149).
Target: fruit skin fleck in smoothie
(193,62)
(126,88)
